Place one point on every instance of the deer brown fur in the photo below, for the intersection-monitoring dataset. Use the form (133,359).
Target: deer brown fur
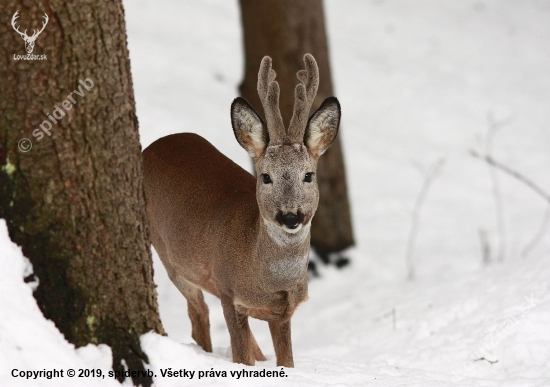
(243,239)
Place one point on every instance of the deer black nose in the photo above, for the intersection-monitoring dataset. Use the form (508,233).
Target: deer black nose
(290,220)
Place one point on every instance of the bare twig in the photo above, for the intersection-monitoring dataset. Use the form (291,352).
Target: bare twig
(489,160)
(430,176)
(485,247)
(487,360)
(517,175)
(538,236)
(499,212)
(493,127)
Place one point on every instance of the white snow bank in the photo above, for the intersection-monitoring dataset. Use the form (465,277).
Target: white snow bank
(355,330)
(30,342)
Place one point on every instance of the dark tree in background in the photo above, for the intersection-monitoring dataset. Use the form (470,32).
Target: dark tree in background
(286,30)
(75,201)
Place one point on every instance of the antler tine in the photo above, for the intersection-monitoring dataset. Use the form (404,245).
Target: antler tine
(268,91)
(304,94)
(24,34)
(13,20)
(44,24)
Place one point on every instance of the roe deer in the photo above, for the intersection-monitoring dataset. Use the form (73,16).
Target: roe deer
(243,239)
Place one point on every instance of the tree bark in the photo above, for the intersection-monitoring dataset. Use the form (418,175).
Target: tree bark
(75,201)
(286,30)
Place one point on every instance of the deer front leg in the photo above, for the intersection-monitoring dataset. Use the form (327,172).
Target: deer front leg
(239,332)
(280,334)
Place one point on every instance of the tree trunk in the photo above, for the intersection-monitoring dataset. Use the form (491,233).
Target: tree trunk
(286,30)
(75,201)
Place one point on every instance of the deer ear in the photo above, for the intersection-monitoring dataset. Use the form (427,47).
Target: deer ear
(248,127)
(322,127)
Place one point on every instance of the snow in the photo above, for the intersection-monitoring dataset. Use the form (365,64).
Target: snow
(28,341)
(418,82)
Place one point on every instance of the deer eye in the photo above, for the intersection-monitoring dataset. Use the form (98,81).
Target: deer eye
(308,177)
(266,178)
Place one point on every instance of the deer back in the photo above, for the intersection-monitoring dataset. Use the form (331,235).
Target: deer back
(201,204)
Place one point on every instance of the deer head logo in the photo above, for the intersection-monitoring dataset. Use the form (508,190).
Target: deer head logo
(29,40)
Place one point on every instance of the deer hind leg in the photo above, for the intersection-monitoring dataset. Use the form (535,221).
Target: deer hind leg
(196,307)
(258,355)
(198,313)
(280,333)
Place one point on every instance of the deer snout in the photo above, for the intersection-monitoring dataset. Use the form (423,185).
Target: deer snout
(290,219)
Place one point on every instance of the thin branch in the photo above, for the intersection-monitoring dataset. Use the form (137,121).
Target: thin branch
(545,220)
(430,176)
(499,212)
(485,247)
(538,236)
(487,360)
(489,160)
(493,127)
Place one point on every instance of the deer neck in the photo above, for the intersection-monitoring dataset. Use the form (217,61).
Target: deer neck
(272,234)
(284,256)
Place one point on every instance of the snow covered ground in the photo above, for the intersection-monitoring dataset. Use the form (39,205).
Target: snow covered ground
(418,82)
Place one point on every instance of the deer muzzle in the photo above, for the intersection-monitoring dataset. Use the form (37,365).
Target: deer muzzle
(290,220)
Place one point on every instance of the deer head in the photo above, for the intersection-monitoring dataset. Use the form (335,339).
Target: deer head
(286,160)
(29,40)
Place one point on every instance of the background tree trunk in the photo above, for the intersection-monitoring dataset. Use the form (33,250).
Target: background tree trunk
(75,201)
(286,30)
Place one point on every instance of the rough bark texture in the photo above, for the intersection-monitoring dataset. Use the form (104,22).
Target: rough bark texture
(286,30)
(75,201)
